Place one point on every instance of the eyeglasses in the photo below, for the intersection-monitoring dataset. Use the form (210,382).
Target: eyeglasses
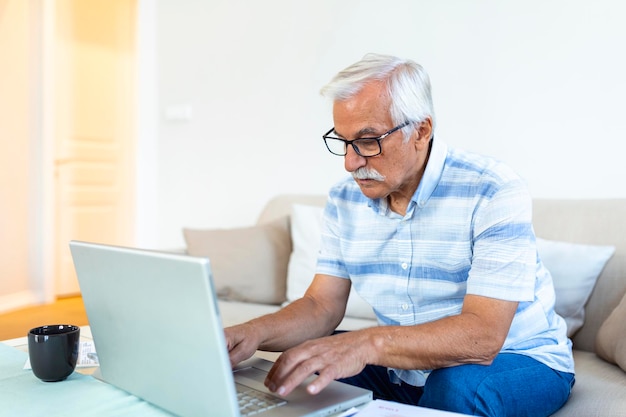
(365,147)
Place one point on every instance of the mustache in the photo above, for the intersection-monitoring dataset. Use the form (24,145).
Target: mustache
(364,173)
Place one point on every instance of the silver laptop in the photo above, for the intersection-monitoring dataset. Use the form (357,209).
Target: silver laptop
(158,335)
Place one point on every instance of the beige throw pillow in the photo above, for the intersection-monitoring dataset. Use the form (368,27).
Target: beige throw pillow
(611,338)
(248,264)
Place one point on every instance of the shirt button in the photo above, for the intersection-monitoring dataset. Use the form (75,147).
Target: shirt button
(404,265)
(405,306)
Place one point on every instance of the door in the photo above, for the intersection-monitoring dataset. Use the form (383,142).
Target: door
(94,54)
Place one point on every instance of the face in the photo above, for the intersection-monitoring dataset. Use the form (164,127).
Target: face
(400,164)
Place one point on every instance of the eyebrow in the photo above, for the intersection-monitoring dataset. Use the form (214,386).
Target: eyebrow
(365,131)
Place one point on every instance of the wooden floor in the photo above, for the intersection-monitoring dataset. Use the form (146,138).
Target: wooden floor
(64,311)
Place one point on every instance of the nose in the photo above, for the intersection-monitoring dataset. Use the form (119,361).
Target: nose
(353,161)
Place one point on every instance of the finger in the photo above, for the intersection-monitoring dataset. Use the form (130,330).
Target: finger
(279,371)
(284,380)
(240,353)
(285,363)
(319,383)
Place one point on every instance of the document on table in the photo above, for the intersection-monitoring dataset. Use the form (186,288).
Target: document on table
(86,356)
(382,408)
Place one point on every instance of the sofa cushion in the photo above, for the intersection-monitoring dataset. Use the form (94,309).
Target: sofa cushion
(611,338)
(249,263)
(575,269)
(598,391)
(306,223)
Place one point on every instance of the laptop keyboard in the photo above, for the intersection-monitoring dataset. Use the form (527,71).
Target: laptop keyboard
(253,402)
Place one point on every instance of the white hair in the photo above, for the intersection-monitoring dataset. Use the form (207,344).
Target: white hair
(408,87)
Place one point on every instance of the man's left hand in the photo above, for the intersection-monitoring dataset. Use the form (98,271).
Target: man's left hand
(338,356)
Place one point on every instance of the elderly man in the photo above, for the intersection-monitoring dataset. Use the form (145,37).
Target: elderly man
(440,242)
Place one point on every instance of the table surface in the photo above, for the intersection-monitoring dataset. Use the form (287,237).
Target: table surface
(21,393)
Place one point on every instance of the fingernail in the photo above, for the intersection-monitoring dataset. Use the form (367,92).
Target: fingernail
(281,391)
(271,387)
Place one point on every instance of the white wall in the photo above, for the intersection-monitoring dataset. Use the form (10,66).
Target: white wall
(18,156)
(537,83)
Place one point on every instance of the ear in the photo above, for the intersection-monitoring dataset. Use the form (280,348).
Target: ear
(424,132)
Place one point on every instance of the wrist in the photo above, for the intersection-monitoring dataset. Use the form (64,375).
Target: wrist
(378,341)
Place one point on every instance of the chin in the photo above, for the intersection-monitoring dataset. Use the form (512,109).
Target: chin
(373,191)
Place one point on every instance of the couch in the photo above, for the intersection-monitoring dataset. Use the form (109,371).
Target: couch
(258,268)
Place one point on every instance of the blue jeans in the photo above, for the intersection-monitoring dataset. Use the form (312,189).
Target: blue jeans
(513,385)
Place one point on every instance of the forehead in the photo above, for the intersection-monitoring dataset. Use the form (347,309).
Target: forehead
(366,111)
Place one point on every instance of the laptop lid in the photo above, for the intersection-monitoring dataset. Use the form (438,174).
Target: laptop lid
(156,327)
(155,322)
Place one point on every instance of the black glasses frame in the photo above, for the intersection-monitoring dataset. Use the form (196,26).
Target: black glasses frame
(355,142)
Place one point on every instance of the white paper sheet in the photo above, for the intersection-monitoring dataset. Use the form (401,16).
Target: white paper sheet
(381,408)
(86,355)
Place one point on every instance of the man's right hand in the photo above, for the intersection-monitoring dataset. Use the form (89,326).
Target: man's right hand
(242,342)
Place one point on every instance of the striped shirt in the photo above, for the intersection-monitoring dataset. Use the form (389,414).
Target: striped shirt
(467,230)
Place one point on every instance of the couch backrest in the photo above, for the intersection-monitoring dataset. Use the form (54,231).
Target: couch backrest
(595,222)
(280,205)
(599,222)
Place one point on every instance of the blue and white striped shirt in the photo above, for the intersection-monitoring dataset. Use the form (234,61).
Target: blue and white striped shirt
(467,230)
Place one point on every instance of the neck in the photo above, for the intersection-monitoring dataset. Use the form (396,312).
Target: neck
(399,201)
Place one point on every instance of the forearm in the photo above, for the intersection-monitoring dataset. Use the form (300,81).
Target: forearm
(443,343)
(316,314)
(474,336)
(301,320)
(429,346)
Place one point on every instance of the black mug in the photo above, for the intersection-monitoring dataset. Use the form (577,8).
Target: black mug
(53,351)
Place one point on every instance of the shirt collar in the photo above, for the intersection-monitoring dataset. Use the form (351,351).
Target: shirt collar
(432,173)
